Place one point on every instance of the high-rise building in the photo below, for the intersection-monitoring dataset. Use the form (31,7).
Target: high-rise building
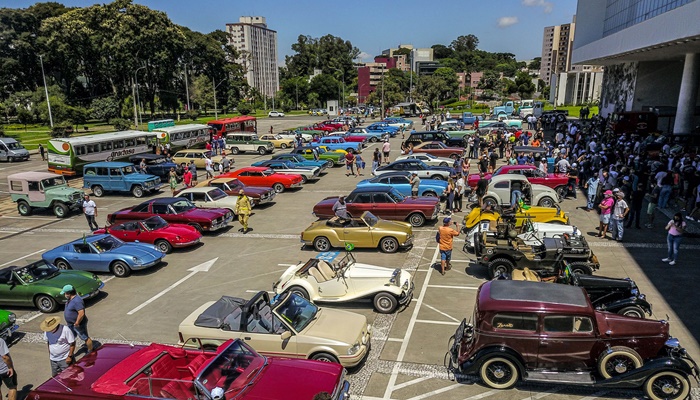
(257,46)
(556,48)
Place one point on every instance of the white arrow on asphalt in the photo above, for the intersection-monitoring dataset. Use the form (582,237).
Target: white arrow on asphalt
(203,267)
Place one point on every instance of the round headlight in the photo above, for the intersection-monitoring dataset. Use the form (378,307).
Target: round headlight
(354,349)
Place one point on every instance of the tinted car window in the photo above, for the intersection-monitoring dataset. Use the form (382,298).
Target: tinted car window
(141,208)
(567,323)
(501,185)
(522,322)
(381,198)
(363,198)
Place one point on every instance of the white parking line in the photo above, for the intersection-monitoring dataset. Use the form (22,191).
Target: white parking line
(434,392)
(393,339)
(440,312)
(428,321)
(485,394)
(595,395)
(411,382)
(453,287)
(543,394)
(17,259)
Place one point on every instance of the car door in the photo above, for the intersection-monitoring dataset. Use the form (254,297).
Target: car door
(521,328)
(535,176)
(262,330)
(566,342)
(357,233)
(502,191)
(83,256)
(383,202)
(116,179)
(360,203)
(256,178)
(10,293)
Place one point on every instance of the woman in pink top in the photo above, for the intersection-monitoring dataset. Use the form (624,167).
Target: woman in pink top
(675,228)
(606,206)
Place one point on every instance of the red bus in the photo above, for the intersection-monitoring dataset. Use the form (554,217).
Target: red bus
(230,125)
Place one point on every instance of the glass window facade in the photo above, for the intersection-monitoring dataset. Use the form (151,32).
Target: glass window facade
(621,14)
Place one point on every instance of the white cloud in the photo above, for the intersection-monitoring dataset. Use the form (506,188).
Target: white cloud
(364,56)
(546,5)
(505,22)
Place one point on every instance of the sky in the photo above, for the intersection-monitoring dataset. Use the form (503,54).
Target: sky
(508,26)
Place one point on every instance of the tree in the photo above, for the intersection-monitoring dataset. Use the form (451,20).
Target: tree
(441,51)
(327,53)
(76,116)
(105,108)
(24,117)
(402,51)
(296,88)
(326,87)
(535,63)
(525,85)
(465,43)
(489,80)
(202,92)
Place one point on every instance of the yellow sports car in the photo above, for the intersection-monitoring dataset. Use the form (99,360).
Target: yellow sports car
(534,214)
(341,151)
(368,231)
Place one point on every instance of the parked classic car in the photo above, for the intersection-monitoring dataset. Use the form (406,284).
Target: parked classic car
(104,253)
(424,171)
(533,213)
(400,181)
(428,159)
(7,325)
(371,135)
(531,233)
(178,211)
(418,137)
(278,141)
(258,195)
(159,371)
(210,197)
(501,188)
(311,153)
(198,156)
(155,230)
(288,326)
(35,190)
(288,168)
(397,122)
(39,284)
(265,177)
(383,127)
(112,176)
(156,164)
(533,174)
(439,149)
(348,280)
(526,331)
(241,142)
(292,135)
(338,143)
(300,161)
(367,231)
(385,203)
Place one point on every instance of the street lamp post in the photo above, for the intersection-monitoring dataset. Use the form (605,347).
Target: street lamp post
(296,88)
(382,111)
(137,99)
(46,89)
(343,97)
(410,90)
(216,112)
(187,89)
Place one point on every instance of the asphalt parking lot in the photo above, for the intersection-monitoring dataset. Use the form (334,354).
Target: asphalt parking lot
(408,348)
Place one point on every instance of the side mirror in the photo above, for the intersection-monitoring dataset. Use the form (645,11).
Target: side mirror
(286,335)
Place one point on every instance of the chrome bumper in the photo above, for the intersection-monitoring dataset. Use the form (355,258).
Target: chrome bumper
(185,244)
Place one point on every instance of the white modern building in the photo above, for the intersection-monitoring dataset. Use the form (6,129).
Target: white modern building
(257,46)
(651,53)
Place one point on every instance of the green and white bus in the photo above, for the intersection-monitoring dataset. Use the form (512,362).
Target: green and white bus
(183,136)
(68,155)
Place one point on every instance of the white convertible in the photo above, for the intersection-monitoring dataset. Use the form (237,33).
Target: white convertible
(348,280)
(428,159)
(530,232)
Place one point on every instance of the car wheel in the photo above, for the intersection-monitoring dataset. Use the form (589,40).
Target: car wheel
(137,191)
(416,219)
(325,357)
(490,201)
(45,303)
(499,373)
(389,245)
(98,191)
(546,202)
(385,303)
(120,269)
(278,187)
(373,139)
(304,179)
(350,150)
(618,360)
(561,191)
(283,145)
(580,268)
(667,385)
(234,150)
(322,243)
(60,210)
(444,164)
(299,291)
(632,311)
(23,208)
(262,151)
(164,246)
(500,266)
(454,156)
(197,227)
(62,264)
(429,194)
(477,244)
(561,117)
(329,163)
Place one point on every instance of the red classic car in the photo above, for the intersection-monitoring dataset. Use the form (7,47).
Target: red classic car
(266,177)
(318,127)
(155,230)
(439,149)
(234,371)
(534,175)
(258,195)
(385,203)
(351,138)
(332,124)
(176,210)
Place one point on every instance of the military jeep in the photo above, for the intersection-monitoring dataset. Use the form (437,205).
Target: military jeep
(32,190)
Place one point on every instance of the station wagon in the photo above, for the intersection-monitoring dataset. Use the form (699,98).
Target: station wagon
(113,176)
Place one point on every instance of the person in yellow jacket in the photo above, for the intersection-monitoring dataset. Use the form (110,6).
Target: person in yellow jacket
(243,209)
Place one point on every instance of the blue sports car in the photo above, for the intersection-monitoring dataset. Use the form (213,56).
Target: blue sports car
(369,134)
(104,253)
(399,180)
(300,161)
(383,127)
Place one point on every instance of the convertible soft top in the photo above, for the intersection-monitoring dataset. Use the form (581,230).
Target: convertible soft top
(226,310)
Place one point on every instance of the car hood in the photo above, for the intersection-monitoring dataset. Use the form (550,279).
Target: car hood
(281,378)
(359,270)
(327,321)
(83,282)
(62,191)
(140,250)
(553,229)
(205,213)
(185,231)
(601,282)
(139,177)
(621,326)
(256,191)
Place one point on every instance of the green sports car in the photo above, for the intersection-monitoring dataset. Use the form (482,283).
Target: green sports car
(7,324)
(39,284)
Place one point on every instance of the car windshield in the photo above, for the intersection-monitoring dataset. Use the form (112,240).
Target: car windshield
(154,223)
(182,205)
(297,311)
(36,272)
(14,146)
(107,243)
(232,369)
(58,181)
(268,172)
(395,195)
(217,194)
(370,219)
(128,170)
(429,156)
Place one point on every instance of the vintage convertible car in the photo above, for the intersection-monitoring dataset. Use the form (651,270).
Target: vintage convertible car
(552,215)
(159,371)
(210,197)
(155,230)
(534,331)
(367,231)
(39,284)
(348,280)
(288,168)
(384,202)
(322,154)
(288,326)
(501,188)
(176,210)
(293,135)
(533,174)
(531,233)
(104,253)
(266,177)
(258,195)
(400,181)
(300,161)
(424,171)
(439,149)
(428,159)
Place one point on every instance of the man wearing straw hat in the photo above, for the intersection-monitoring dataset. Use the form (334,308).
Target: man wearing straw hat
(61,343)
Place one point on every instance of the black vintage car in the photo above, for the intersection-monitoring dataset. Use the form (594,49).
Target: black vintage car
(156,164)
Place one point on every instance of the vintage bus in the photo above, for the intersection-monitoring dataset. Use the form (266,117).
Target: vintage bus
(183,136)
(233,125)
(161,123)
(68,155)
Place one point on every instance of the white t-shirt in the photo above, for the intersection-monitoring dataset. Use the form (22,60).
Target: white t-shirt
(207,164)
(3,352)
(59,345)
(89,207)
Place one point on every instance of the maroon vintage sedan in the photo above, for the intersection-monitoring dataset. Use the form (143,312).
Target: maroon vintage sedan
(177,210)
(234,371)
(439,149)
(533,174)
(385,203)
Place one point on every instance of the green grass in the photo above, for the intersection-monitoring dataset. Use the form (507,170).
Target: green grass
(574,111)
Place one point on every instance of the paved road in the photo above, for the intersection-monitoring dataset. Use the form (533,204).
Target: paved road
(406,361)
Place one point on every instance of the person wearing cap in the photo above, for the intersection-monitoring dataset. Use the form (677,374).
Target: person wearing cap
(243,209)
(414,180)
(74,314)
(605,206)
(446,235)
(620,211)
(61,343)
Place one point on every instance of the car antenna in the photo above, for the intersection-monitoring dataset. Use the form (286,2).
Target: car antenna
(61,383)
(131,342)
